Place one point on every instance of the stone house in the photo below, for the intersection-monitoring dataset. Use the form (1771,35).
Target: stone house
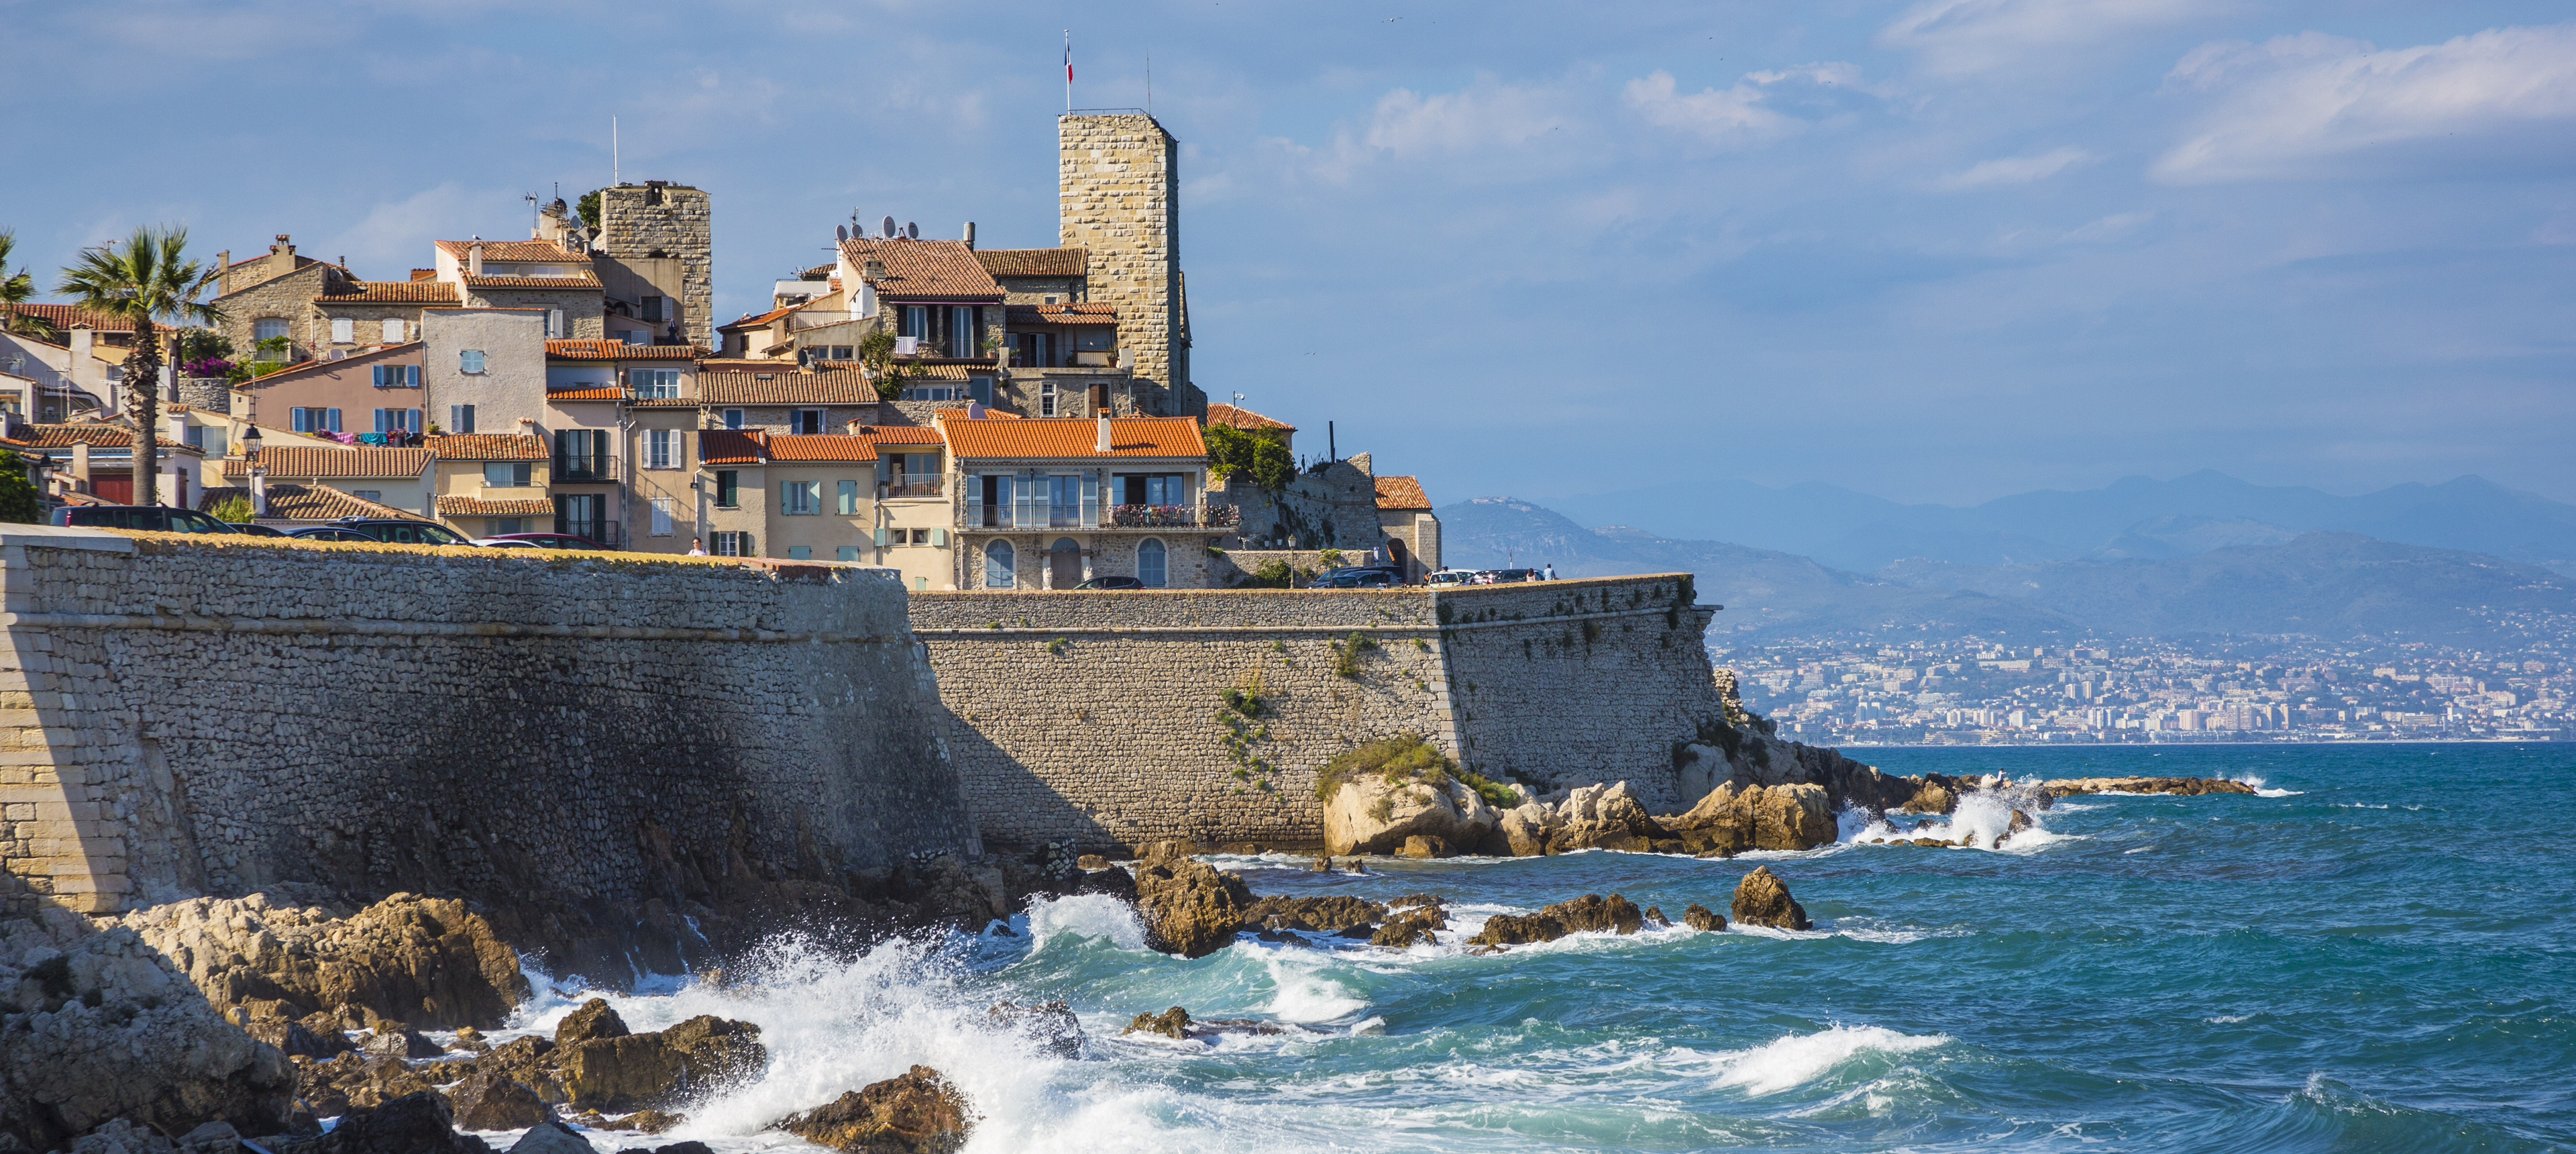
(1412,533)
(483,369)
(932,294)
(399,478)
(532,274)
(366,314)
(377,390)
(801,497)
(488,484)
(782,398)
(1048,504)
(655,254)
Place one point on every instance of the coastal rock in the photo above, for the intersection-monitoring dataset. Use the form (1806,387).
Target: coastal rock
(647,1121)
(1762,899)
(1603,817)
(489,1101)
(1052,1025)
(551,1137)
(1418,846)
(1735,818)
(427,962)
(1322,915)
(96,1025)
(593,1020)
(417,1123)
(918,1112)
(1931,798)
(1173,1023)
(394,1040)
(646,1071)
(529,1061)
(1525,828)
(955,892)
(1703,919)
(1411,926)
(1367,813)
(2181,786)
(355,1081)
(1584,914)
(1190,908)
(295,1039)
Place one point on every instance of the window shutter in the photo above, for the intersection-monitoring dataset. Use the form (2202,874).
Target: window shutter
(344,331)
(813,496)
(939,537)
(787,496)
(750,548)
(850,499)
(335,419)
(1091,500)
(393,332)
(881,537)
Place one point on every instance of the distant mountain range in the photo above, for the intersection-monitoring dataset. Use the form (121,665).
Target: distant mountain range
(2133,518)
(2214,576)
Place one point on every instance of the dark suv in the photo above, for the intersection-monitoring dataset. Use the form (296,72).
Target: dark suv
(155,518)
(1358,577)
(392,530)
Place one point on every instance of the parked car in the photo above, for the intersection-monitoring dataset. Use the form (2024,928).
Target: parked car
(256,529)
(1450,577)
(390,530)
(1111,583)
(152,518)
(332,533)
(1357,577)
(1504,576)
(537,541)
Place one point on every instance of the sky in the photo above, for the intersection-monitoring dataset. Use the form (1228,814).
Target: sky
(1935,251)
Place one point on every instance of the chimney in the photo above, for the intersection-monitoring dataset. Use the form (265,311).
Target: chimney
(970,236)
(281,248)
(80,464)
(474,258)
(1102,440)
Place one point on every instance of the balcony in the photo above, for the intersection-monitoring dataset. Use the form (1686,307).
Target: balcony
(912,485)
(609,534)
(1144,517)
(586,469)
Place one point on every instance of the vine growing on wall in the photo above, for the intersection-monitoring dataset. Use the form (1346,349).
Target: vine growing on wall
(1240,715)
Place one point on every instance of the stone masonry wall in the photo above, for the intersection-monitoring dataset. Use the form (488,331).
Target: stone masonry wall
(679,226)
(1097,717)
(1119,190)
(199,715)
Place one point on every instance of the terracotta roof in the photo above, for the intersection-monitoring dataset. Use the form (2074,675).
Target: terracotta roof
(100,436)
(513,250)
(594,349)
(292,502)
(785,387)
(821,447)
(415,292)
(67,316)
(486,447)
(924,269)
(733,446)
(1221,414)
(1083,314)
(921,370)
(591,393)
(1399,492)
(309,461)
(1034,261)
(587,280)
(1074,437)
(749,321)
(478,507)
(901,434)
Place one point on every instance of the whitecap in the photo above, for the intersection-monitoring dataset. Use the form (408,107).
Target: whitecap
(2256,780)
(1087,916)
(1305,995)
(1796,1059)
(2228,1019)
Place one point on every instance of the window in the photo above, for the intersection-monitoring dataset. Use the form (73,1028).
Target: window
(397,420)
(980,390)
(734,545)
(650,309)
(846,553)
(654,384)
(497,526)
(662,449)
(554,324)
(375,495)
(469,360)
(210,439)
(395,376)
(931,393)
(805,421)
(1037,350)
(460,418)
(728,490)
(661,516)
(961,332)
(1064,501)
(635,337)
(800,552)
(344,331)
(1155,489)
(733,418)
(997,565)
(800,498)
(843,352)
(315,420)
(267,329)
(582,515)
(916,321)
(1150,568)
(193,436)
(508,474)
(1050,298)
(1046,399)
(393,331)
(849,503)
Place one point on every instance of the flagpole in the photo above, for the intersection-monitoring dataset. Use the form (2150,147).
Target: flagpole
(1068,70)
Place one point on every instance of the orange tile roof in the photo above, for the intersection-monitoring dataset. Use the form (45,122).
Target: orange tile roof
(479,507)
(595,349)
(919,370)
(1399,492)
(1034,261)
(924,269)
(1082,314)
(513,250)
(417,292)
(101,436)
(733,446)
(821,447)
(486,447)
(314,461)
(901,434)
(1241,418)
(288,501)
(749,321)
(785,386)
(590,393)
(67,316)
(587,280)
(1074,437)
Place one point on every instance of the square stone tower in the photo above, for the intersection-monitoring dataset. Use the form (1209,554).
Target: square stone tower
(659,234)
(1119,196)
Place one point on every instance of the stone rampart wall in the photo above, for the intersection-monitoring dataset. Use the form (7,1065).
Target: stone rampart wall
(1103,717)
(198,715)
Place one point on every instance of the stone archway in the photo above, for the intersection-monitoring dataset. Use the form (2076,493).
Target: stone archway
(1064,563)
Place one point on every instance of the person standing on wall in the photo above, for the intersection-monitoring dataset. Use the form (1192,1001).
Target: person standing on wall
(1550,574)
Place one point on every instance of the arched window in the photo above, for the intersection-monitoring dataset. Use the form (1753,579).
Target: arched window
(997,566)
(1149,564)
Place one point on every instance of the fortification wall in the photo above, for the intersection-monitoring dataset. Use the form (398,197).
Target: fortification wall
(222,715)
(1102,718)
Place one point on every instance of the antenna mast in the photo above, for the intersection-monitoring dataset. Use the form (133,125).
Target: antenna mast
(615,176)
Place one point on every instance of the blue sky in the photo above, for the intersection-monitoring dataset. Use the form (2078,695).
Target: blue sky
(1944,250)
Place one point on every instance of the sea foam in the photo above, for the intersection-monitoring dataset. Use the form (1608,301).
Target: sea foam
(1797,1059)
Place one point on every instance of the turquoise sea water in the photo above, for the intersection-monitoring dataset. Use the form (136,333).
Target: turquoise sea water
(2377,954)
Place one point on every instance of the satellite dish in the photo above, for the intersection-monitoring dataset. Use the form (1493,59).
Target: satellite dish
(911,231)
(840,232)
(889,228)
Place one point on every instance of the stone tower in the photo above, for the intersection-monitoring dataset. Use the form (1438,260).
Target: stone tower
(1119,196)
(659,232)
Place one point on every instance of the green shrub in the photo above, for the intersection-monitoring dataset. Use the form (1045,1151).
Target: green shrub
(1346,654)
(233,510)
(1058,646)
(1406,757)
(18,501)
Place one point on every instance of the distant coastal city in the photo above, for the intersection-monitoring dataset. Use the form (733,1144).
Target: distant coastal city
(1968,691)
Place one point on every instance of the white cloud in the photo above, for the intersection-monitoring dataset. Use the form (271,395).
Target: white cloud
(1959,36)
(1473,119)
(2313,105)
(1739,115)
(2014,169)
(395,235)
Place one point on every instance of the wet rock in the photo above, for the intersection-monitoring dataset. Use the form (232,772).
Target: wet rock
(1932,798)
(1367,813)
(1603,817)
(552,1137)
(1417,900)
(472,1041)
(1525,829)
(1762,899)
(1052,1025)
(1323,864)
(1113,881)
(1736,817)
(2180,786)
(1093,861)
(416,1123)
(1322,915)
(953,891)
(1934,843)
(296,1040)
(919,1112)
(1404,933)
(1655,918)
(593,1020)
(1173,1023)
(490,1101)
(355,1081)
(529,1061)
(122,1137)
(1419,846)
(1190,908)
(1703,919)
(1585,914)
(428,962)
(648,1122)
(393,1040)
(647,1071)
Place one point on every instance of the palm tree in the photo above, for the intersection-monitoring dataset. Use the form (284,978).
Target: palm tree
(144,279)
(14,291)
